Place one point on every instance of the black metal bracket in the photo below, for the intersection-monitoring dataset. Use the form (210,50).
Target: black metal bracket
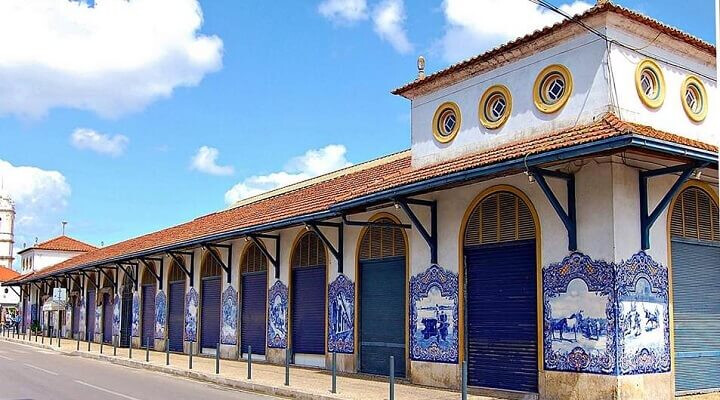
(429,237)
(95,285)
(275,261)
(569,218)
(18,294)
(159,274)
(212,249)
(76,281)
(178,257)
(375,224)
(131,273)
(108,276)
(647,220)
(39,287)
(337,252)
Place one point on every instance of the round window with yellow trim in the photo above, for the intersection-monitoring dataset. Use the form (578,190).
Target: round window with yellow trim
(694,99)
(446,122)
(495,107)
(552,88)
(650,84)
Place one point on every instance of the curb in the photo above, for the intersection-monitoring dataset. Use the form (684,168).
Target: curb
(199,376)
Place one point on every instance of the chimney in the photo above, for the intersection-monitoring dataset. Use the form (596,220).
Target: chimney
(421,68)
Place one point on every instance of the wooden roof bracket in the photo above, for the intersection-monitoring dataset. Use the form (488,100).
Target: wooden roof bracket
(568,219)
(647,220)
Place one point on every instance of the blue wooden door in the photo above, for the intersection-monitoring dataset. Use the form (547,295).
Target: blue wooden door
(210,311)
(696,273)
(308,310)
(382,315)
(107,317)
(90,317)
(502,316)
(176,315)
(254,299)
(148,315)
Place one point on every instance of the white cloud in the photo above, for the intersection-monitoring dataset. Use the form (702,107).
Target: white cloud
(388,21)
(474,26)
(40,196)
(312,163)
(88,139)
(205,160)
(113,58)
(343,11)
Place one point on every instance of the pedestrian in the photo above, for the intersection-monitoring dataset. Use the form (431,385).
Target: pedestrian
(17,323)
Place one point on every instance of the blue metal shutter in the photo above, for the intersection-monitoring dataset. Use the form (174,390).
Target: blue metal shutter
(502,316)
(148,315)
(126,318)
(26,313)
(254,298)
(696,273)
(382,315)
(107,317)
(176,315)
(210,310)
(76,316)
(308,310)
(90,316)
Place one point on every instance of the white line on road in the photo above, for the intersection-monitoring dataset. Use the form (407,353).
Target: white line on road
(19,351)
(106,390)
(42,369)
(7,358)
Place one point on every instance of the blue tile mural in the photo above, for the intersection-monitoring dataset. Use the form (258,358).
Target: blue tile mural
(82,314)
(116,316)
(191,312)
(33,312)
(67,324)
(228,333)
(341,315)
(434,316)
(643,316)
(579,315)
(135,327)
(277,315)
(160,314)
(98,319)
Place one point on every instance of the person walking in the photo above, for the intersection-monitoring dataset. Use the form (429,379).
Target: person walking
(17,323)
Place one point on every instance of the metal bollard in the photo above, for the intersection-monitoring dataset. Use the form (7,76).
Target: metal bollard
(463,383)
(147,350)
(59,336)
(392,378)
(115,343)
(287,366)
(167,352)
(249,362)
(88,339)
(42,339)
(77,348)
(130,348)
(102,342)
(190,358)
(217,358)
(51,338)
(333,389)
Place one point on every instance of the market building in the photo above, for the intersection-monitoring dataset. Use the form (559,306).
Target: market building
(554,226)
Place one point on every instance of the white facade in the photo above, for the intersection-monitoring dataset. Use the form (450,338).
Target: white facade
(34,260)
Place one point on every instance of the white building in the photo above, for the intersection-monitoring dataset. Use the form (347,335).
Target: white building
(51,252)
(7,222)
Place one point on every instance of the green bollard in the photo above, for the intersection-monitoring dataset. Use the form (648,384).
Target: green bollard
(334,373)
(464,385)
(167,352)
(392,378)
(249,362)
(287,366)
(115,346)
(190,358)
(130,349)
(217,359)
(147,350)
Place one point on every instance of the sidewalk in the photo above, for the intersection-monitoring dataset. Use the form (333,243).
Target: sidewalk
(305,383)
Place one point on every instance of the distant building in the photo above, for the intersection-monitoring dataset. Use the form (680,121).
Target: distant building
(51,252)
(9,298)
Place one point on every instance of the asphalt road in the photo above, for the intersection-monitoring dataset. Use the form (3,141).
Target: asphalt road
(31,373)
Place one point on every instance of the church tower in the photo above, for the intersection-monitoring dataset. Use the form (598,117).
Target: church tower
(7,220)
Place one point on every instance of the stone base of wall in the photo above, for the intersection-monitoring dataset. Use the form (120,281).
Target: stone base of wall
(651,386)
(275,356)
(574,386)
(345,362)
(435,374)
(229,351)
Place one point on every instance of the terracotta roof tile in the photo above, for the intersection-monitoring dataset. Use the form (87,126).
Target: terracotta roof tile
(61,243)
(7,274)
(394,173)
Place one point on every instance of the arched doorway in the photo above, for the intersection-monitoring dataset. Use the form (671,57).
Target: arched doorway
(126,310)
(76,307)
(308,264)
(149,285)
(176,307)
(107,310)
(382,280)
(695,251)
(90,307)
(211,286)
(253,269)
(500,256)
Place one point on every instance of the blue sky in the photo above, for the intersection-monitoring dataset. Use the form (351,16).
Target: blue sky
(112,125)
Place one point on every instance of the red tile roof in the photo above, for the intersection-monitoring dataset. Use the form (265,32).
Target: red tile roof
(319,197)
(7,274)
(517,48)
(61,243)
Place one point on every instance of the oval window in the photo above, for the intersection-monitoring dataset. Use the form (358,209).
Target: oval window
(495,107)
(694,99)
(446,122)
(650,84)
(552,88)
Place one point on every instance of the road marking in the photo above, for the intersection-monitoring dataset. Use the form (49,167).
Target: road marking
(19,351)
(42,369)
(7,358)
(106,390)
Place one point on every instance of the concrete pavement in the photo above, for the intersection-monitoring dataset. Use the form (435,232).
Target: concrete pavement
(33,373)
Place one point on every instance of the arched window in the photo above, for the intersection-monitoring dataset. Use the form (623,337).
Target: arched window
(253,260)
(148,278)
(176,273)
(309,251)
(499,217)
(695,216)
(382,241)
(210,267)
